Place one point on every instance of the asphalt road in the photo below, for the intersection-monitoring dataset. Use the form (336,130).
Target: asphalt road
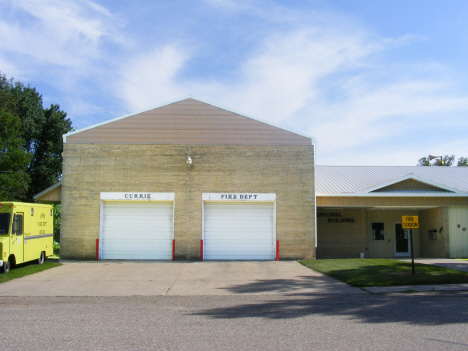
(426,321)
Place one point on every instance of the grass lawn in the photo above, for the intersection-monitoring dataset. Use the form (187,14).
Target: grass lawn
(370,272)
(26,269)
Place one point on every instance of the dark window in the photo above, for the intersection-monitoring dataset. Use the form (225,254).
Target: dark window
(19,224)
(4,223)
(378,231)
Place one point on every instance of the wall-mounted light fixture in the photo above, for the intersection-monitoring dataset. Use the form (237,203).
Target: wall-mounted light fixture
(189,163)
(433,157)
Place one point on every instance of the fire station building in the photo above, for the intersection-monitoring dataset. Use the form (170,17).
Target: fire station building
(190,181)
(187,181)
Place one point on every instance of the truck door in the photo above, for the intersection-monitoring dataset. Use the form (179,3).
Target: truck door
(17,242)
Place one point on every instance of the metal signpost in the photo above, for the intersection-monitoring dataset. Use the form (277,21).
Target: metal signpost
(410,222)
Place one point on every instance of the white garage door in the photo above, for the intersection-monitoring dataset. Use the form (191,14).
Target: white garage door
(137,230)
(458,236)
(239,231)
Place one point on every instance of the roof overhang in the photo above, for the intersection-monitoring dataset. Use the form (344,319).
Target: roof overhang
(392,194)
(51,195)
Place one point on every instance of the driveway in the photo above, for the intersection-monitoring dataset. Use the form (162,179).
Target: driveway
(110,278)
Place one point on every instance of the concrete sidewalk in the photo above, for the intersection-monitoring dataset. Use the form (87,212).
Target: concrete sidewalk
(111,278)
(441,262)
(459,265)
(418,288)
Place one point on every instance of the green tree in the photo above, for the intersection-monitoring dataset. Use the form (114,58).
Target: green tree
(463,162)
(57,218)
(446,161)
(14,160)
(41,132)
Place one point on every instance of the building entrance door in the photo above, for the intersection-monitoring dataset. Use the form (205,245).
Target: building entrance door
(401,241)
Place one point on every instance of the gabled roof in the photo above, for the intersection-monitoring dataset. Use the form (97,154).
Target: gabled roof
(391,181)
(184,122)
(53,194)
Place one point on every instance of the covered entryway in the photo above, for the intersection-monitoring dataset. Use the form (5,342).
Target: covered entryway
(136,230)
(235,230)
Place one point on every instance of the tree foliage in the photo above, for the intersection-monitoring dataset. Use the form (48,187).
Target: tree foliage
(463,162)
(33,159)
(14,179)
(57,220)
(445,161)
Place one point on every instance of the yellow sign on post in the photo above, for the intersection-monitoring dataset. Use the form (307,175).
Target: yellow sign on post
(410,222)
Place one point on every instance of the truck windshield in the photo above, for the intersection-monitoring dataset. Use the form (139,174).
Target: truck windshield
(4,223)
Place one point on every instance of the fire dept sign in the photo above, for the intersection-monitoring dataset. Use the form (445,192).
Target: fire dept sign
(410,222)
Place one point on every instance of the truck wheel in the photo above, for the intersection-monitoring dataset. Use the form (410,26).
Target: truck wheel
(5,267)
(40,260)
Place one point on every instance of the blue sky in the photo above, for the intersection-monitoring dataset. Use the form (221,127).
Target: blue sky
(376,82)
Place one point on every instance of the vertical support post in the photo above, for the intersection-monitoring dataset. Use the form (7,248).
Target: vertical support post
(412,251)
(173,249)
(201,250)
(97,249)
(277,250)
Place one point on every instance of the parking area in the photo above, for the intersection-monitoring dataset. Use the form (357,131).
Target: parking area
(114,278)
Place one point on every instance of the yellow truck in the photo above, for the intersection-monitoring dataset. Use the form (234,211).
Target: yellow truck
(26,233)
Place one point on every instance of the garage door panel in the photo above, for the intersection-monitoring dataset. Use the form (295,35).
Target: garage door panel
(244,237)
(241,231)
(241,256)
(140,230)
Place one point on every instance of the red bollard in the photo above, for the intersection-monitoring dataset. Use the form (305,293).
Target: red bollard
(97,249)
(173,249)
(201,250)
(277,250)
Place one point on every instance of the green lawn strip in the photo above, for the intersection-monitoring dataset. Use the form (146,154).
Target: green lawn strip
(385,272)
(24,269)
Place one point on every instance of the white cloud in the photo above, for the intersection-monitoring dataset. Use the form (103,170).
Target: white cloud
(65,33)
(152,77)
(318,72)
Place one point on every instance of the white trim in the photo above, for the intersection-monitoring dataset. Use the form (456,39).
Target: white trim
(413,177)
(274,230)
(315,194)
(239,197)
(141,196)
(64,136)
(101,227)
(50,188)
(392,195)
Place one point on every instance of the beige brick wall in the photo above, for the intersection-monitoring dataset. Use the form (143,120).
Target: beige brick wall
(386,248)
(337,239)
(91,169)
(434,219)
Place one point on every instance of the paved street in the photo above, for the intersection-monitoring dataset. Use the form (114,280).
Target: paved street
(434,321)
(106,278)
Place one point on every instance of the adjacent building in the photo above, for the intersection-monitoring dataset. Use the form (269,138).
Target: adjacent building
(359,211)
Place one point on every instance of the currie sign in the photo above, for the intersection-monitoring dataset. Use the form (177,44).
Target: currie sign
(137,196)
(335,217)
